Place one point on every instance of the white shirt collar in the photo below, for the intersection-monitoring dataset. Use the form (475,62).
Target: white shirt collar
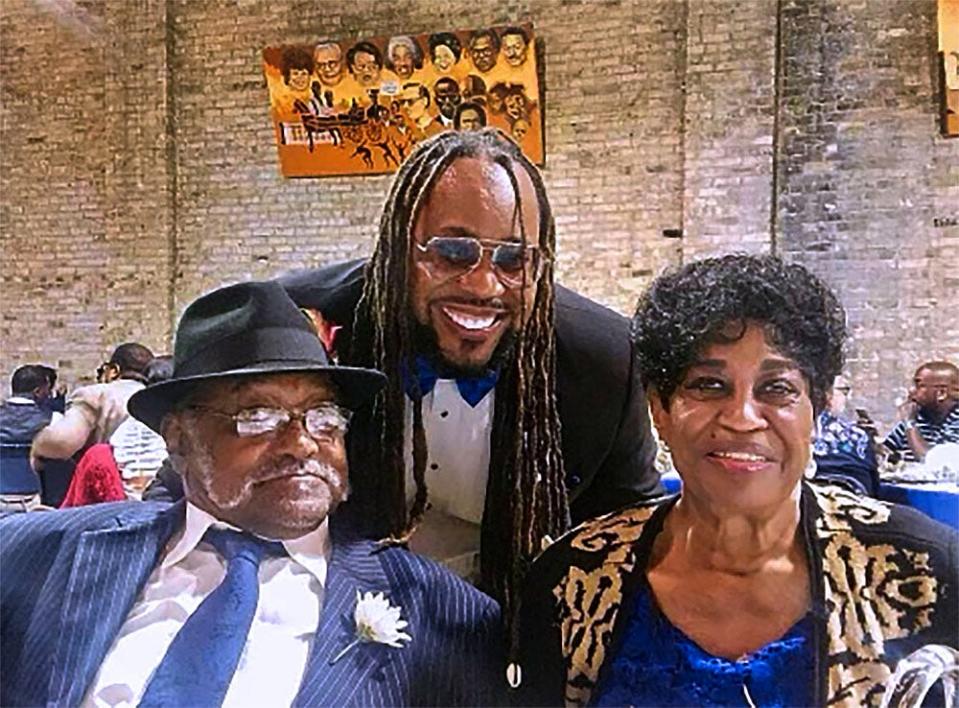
(21,400)
(311,550)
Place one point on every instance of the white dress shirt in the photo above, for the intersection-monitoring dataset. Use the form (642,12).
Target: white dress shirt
(278,646)
(458,439)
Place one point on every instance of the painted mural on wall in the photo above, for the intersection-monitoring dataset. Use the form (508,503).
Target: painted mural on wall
(949,69)
(359,107)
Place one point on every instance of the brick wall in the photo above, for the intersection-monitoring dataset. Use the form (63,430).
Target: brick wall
(863,175)
(85,175)
(138,168)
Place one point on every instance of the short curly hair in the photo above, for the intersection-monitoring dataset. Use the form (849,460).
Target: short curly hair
(687,309)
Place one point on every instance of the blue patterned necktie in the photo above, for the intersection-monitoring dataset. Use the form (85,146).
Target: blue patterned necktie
(199,664)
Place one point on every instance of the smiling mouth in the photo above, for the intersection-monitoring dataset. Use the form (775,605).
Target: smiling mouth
(476,322)
(739,461)
(742,456)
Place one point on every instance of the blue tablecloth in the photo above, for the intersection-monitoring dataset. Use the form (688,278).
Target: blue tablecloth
(940,500)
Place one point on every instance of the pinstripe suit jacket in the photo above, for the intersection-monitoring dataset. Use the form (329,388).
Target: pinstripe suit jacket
(71,577)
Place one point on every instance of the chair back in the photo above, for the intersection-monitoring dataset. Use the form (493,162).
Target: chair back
(16,474)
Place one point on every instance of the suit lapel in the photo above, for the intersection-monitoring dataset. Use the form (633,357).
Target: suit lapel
(354,567)
(109,568)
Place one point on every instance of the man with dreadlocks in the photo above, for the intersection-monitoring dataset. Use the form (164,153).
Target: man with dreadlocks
(511,403)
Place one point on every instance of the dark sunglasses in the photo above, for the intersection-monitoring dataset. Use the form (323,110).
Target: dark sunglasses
(453,256)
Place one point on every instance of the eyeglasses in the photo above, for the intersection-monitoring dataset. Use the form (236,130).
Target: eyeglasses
(456,256)
(324,422)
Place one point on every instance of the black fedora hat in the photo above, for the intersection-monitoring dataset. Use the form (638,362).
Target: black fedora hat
(247,329)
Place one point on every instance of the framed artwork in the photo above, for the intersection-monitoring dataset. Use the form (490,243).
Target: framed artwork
(359,107)
(949,66)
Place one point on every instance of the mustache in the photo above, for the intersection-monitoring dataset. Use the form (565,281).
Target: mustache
(294,468)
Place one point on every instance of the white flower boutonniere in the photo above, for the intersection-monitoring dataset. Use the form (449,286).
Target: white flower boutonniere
(376,621)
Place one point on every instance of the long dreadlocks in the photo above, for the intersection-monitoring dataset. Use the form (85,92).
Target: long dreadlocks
(526,493)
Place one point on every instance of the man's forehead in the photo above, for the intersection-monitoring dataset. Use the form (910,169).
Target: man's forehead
(468,179)
(927,374)
(270,385)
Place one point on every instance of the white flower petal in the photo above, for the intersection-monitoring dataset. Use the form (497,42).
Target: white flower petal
(378,621)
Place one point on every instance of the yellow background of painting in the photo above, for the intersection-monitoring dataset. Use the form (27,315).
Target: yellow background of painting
(328,160)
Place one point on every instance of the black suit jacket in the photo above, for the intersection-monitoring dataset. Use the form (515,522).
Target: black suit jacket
(608,448)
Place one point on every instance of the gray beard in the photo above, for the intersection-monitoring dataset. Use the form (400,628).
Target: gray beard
(202,460)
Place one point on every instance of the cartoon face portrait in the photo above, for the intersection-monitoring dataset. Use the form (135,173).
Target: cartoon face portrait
(365,64)
(414,100)
(519,129)
(329,63)
(443,58)
(297,68)
(403,56)
(299,79)
(514,46)
(515,104)
(469,116)
(483,47)
(495,97)
(445,51)
(447,95)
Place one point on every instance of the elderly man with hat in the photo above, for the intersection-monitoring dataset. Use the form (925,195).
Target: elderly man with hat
(251,590)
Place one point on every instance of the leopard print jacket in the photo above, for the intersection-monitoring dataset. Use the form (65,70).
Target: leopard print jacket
(884,582)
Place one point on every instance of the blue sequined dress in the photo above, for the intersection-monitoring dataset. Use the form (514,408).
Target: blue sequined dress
(658,665)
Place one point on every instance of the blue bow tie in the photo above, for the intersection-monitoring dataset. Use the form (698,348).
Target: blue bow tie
(473,389)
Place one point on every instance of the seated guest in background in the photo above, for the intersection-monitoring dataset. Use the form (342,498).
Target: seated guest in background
(95,479)
(139,451)
(843,451)
(752,587)
(124,604)
(121,468)
(22,416)
(930,414)
(95,411)
(55,402)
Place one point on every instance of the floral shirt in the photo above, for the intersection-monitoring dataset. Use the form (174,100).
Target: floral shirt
(836,435)
(844,453)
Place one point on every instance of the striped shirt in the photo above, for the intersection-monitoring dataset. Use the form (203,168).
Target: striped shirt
(932,433)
